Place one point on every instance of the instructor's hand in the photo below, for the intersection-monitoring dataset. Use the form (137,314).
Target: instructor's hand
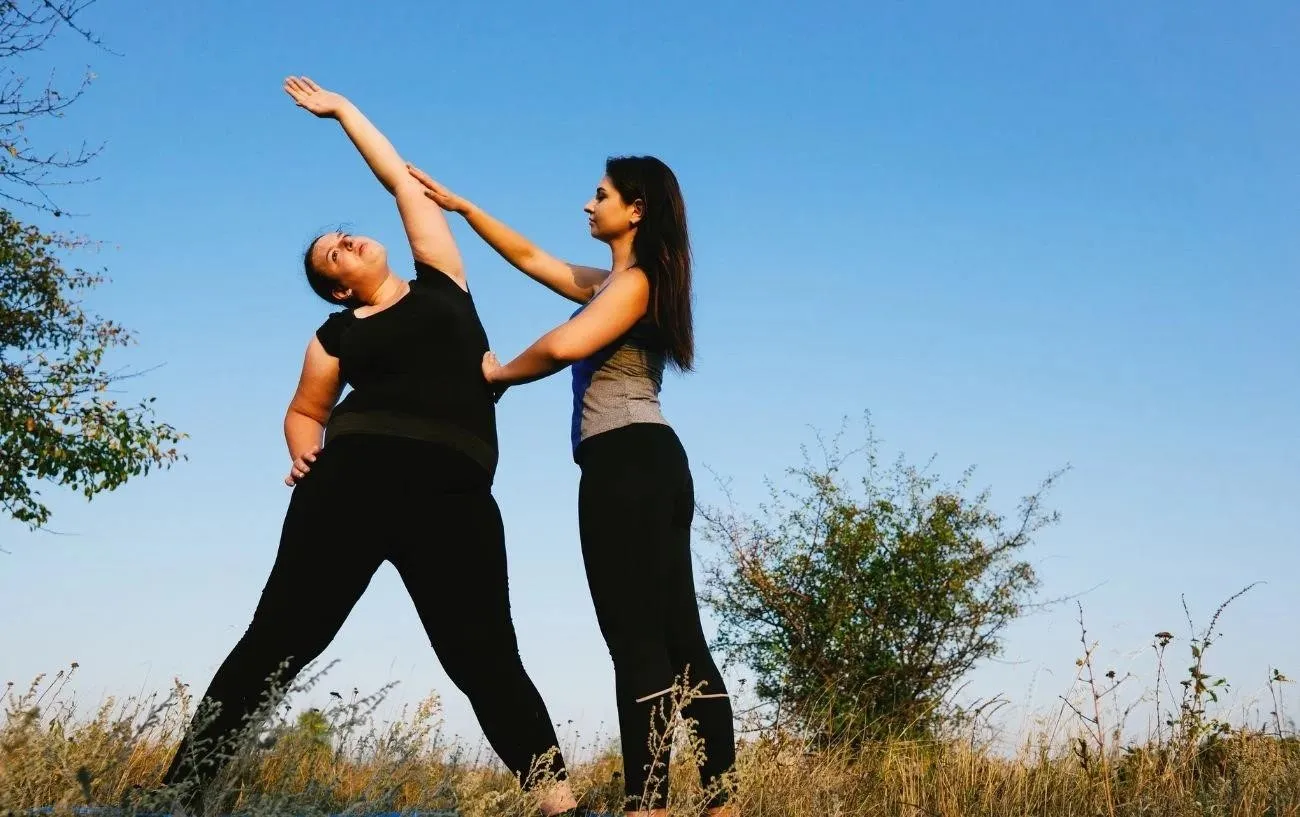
(301,466)
(443,197)
(490,367)
(314,98)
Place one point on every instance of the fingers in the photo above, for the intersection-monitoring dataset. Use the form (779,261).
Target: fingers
(490,368)
(301,467)
(296,90)
(441,197)
(420,176)
(302,89)
(303,85)
(433,189)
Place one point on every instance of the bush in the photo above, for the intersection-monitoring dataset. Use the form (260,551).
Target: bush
(859,611)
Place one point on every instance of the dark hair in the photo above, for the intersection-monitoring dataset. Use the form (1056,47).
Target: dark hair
(662,249)
(321,283)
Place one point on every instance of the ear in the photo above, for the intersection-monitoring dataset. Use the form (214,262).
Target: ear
(341,294)
(638,211)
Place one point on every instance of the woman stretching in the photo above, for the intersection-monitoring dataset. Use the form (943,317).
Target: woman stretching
(400,471)
(635,498)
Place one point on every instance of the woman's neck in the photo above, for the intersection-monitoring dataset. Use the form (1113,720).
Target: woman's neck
(390,289)
(621,254)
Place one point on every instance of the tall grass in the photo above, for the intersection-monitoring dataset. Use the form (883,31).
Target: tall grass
(1081,763)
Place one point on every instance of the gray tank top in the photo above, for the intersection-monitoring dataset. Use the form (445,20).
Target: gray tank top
(619,385)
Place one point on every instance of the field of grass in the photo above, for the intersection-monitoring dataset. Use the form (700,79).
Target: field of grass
(321,762)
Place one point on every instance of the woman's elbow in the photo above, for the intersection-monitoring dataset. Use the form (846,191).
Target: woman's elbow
(567,350)
(298,412)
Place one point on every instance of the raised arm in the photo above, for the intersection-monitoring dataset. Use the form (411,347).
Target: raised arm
(426,227)
(577,283)
(319,387)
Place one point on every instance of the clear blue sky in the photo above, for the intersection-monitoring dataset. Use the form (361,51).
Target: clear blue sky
(1020,234)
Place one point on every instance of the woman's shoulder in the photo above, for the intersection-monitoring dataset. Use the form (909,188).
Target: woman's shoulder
(430,277)
(341,318)
(330,333)
(629,276)
(633,272)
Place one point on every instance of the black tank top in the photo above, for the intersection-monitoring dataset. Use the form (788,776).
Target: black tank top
(416,370)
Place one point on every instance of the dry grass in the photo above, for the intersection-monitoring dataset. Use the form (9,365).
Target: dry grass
(50,754)
(342,759)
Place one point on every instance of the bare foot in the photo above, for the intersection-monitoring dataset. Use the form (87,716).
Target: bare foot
(556,799)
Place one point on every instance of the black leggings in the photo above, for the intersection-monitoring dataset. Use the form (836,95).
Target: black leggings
(427,509)
(635,505)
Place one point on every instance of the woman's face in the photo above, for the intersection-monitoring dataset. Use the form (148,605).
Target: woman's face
(357,264)
(608,216)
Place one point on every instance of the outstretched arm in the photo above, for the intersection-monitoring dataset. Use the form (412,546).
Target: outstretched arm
(621,304)
(577,283)
(426,226)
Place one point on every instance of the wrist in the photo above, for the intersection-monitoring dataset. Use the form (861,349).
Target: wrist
(344,108)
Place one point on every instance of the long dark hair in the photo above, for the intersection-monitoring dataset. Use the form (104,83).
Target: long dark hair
(322,284)
(662,248)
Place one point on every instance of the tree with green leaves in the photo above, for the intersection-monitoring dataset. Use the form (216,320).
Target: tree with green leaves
(859,605)
(59,421)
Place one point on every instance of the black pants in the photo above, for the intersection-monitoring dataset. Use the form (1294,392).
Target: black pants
(427,509)
(635,506)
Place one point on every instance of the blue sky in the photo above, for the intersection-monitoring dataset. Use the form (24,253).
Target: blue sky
(1020,235)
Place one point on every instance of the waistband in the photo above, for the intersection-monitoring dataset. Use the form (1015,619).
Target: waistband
(414,427)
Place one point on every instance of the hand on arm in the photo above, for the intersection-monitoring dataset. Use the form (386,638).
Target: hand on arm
(577,283)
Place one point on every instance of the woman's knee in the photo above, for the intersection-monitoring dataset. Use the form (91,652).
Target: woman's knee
(699,671)
(641,668)
(276,653)
(495,671)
